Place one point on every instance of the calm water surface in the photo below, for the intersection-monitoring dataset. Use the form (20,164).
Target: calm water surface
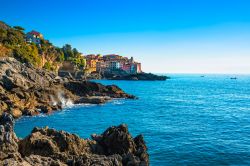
(187,120)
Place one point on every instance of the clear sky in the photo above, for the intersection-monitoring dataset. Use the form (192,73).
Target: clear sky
(167,36)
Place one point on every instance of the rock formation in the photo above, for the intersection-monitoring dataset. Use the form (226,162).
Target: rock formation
(135,77)
(25,90)
(48,147)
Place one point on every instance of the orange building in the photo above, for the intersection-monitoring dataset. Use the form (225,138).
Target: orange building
(91,65)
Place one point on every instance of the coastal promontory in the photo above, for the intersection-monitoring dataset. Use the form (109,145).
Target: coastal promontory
(134,77)
(25,90)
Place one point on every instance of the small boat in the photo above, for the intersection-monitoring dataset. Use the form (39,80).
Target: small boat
(202,76)
(233,78)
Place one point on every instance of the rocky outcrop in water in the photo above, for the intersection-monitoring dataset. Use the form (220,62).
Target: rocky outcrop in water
(135,77)
(117,140)
(25,90)
(48,147)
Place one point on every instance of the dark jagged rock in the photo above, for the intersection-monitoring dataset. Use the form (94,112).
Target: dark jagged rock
(8,139)
(117,140)
(25,90)
(48,147)
(93,100)
(112,160)
(86,88)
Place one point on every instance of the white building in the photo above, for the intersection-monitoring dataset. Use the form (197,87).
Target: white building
(113,65)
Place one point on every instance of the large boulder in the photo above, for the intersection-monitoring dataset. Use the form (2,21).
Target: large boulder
(117,140)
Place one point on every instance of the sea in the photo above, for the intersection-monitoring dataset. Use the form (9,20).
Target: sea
(190,119)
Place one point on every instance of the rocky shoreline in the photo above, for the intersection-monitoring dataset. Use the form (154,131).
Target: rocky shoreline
(28,91)
(25,90)
(48,147)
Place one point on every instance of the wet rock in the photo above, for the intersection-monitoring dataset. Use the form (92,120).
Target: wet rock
(46,109)
(30,112)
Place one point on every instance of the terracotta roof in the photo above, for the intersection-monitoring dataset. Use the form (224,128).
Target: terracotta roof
(35,33)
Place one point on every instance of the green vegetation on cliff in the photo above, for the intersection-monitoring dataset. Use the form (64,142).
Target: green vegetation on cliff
(45,55)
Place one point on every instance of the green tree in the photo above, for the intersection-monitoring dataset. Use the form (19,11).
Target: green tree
(60,55)
(49,66)
(83,62)
(67,50)
(14,38)
(28,54)
(19,28)
(75,52)
(3,35)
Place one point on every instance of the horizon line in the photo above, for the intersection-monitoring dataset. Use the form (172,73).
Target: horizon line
(202,73)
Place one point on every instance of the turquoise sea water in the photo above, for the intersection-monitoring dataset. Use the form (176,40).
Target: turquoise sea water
(187,120)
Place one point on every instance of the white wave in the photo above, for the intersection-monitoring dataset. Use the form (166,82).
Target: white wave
(53,101)
(64,101)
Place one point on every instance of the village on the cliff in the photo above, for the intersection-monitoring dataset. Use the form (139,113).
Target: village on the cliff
(94,63)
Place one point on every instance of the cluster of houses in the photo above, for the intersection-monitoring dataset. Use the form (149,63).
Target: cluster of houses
(110,63)
(96,63)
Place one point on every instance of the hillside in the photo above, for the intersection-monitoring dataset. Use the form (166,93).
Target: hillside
(13,43)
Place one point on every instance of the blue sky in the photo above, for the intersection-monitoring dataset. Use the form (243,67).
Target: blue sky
(167,36)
